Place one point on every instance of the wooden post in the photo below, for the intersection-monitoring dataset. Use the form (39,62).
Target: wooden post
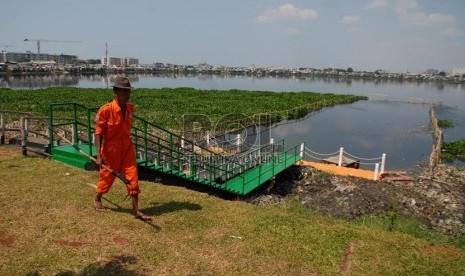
(383,162)
(25,126)
(302,150)
(23,136)
(73,135)
(375,176)
(341,153)
(238,143)
(2,123)
(48,147)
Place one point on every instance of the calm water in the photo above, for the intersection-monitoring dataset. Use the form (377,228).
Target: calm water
(391,122)
(366,130)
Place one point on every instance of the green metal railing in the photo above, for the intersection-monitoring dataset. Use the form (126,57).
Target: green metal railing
(74,122)
(180,152)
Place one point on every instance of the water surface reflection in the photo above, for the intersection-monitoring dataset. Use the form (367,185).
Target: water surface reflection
(366,129)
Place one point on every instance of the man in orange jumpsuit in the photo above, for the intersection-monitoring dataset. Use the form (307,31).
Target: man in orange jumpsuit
(114,145)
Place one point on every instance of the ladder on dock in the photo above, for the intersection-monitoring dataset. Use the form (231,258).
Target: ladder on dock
(163,151)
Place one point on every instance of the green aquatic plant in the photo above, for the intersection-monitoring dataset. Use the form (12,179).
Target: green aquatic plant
(167,106)
(445,124)
(453,150)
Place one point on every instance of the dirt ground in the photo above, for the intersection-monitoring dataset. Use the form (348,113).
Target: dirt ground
(438,203)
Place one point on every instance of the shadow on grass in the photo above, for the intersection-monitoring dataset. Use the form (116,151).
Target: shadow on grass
(156,210)
(116,266)
(170,180)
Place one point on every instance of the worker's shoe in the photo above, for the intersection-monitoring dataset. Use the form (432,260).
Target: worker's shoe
(99,206)
(141,216)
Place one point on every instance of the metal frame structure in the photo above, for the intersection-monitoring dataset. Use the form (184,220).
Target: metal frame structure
(160,150)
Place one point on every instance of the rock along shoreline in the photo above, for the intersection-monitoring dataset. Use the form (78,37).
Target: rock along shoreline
(439,203)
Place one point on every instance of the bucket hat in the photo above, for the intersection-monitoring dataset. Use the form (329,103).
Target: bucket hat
(122,82)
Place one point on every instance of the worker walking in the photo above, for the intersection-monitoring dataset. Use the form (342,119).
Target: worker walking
(114,145)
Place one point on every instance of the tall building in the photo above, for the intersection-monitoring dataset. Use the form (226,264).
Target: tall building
(128,61)
(117,61)
(63,59)
(106,55)
(112,61)
(458,71)
(22,57)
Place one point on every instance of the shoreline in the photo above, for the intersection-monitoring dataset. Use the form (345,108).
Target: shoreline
(438,203)
(180,73)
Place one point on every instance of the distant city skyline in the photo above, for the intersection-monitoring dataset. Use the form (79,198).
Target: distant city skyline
(393,35)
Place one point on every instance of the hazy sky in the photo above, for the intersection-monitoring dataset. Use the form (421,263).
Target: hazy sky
(396,35)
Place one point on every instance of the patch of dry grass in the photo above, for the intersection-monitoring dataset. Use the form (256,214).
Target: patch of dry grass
(48,226)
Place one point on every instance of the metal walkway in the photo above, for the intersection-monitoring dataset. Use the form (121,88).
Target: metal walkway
(163,151)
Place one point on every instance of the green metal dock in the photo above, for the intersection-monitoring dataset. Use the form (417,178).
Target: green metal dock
(163,151)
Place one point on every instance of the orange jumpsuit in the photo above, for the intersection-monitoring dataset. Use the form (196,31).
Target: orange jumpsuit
(117,150)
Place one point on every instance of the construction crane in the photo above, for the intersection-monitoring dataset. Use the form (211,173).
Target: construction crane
(47,40)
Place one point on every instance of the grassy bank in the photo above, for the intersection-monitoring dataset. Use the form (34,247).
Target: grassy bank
(166,106)
(48,226)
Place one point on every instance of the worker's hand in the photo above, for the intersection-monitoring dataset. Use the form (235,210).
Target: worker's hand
(99,161)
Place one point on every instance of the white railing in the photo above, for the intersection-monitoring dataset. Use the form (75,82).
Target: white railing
(379,163)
